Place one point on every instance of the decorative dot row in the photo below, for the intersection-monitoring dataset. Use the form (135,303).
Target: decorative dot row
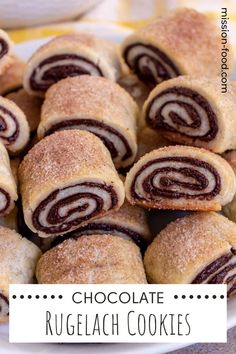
(60,296)
(199,296)
(37,296)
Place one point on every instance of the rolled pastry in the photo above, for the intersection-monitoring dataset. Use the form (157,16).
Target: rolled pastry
(97,259)
(12,78)
(30,105)
(194,111)
(182,178)
(18,262)
(66,180)
(14,128)
(8,189)
(184,42)
(230,209)
(70,55)
(98,105)
(129,222)
(198,248)
(6,49)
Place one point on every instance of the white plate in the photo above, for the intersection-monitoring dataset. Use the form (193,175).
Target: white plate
(25,13)
(25,50)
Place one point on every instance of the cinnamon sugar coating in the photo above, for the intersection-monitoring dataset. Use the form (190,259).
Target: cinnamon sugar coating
(89,97)
(62,155)
(101,53)
(95,259)
(62,160)
(95,104)
(187,245)
(190,40)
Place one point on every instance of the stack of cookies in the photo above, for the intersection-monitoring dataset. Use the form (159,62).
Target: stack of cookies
(93,137)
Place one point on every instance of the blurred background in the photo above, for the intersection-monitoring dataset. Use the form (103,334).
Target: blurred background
(27,19)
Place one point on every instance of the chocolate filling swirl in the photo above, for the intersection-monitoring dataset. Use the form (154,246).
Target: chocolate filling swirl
(3,48)
(220,271)
(176,177)
(58,67)
(149,63)
(103,228)
(183,111)
(115,142)
(66,208)
(4,306)
(9,126)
